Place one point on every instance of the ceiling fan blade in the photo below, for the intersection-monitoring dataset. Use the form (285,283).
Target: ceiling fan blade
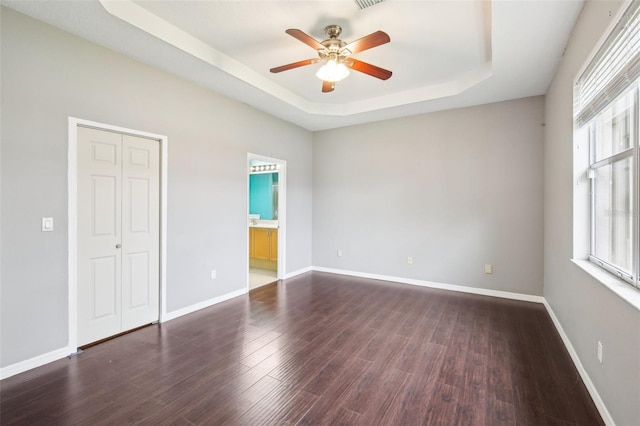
(367,42)
(294,65)
(369,69)
(305,38)
(328,86)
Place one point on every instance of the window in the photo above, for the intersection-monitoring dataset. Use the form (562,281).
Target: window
(613,158)
(607,104)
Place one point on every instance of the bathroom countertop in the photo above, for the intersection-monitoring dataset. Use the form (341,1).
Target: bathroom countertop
(262,223)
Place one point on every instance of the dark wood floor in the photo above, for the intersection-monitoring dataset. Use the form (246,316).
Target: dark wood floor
(319,349)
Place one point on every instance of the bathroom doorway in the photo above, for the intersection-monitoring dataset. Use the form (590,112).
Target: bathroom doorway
(266,195)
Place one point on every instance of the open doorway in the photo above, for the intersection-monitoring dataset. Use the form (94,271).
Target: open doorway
(266,214)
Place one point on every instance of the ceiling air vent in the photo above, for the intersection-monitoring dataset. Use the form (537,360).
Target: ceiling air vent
(363,4)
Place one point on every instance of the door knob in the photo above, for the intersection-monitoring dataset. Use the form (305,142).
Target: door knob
(118,245)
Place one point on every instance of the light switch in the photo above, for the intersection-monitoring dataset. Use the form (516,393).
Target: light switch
(47,224)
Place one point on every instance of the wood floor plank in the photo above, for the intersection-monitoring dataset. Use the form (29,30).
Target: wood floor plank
(364,390)
(453,368)
(345,417)
(471,407)
(377,409)
(328,407)
(278,408)
(332,369)
(500,413)
(279,345)
(305,364)
(231,403)
(409,357)
(413,399)
(442,406)
(444,328)
(319,349)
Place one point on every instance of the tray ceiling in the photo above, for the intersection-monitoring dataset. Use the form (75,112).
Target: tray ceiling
(443,54)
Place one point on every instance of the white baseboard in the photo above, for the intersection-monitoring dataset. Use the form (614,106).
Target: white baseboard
(37,361)
(452,287)
(298,272)
(205,304)
(602,409)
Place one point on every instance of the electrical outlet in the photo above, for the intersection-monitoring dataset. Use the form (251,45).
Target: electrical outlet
(213,274)
(47,224)
(339,252)
(600,351)
(410,260)
(488,268)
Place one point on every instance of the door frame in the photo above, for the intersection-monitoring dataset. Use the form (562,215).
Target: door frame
(282,211)
(72,217)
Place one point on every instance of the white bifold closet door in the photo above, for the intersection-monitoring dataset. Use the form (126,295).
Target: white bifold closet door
(118,233)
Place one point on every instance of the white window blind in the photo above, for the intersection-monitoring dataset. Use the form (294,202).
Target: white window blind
(614,67)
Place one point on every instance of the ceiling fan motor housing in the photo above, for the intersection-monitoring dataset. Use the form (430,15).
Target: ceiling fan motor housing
(333,44)
(333,31)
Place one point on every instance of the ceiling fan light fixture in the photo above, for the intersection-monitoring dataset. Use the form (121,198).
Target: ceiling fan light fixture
(333,71)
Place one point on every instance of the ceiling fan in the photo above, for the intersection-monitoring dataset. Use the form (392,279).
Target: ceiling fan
(336,55)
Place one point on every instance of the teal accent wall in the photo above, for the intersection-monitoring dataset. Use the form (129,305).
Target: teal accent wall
(260,195)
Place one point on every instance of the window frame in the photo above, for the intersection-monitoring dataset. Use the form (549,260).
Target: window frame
(633,152)
(611,71)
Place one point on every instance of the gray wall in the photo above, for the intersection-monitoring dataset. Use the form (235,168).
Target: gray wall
(454,190)
(587,310)
(49,75)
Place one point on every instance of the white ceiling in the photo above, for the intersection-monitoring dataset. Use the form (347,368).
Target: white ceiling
(443,54)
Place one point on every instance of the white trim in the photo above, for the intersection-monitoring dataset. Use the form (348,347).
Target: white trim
(72,232)
(201,305)
(602,408)
(621,288)
(298,272)
(164,202)
(452,287)
(282,211)
(72,192)
(37,361)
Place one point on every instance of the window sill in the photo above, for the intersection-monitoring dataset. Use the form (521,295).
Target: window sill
(619,287)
